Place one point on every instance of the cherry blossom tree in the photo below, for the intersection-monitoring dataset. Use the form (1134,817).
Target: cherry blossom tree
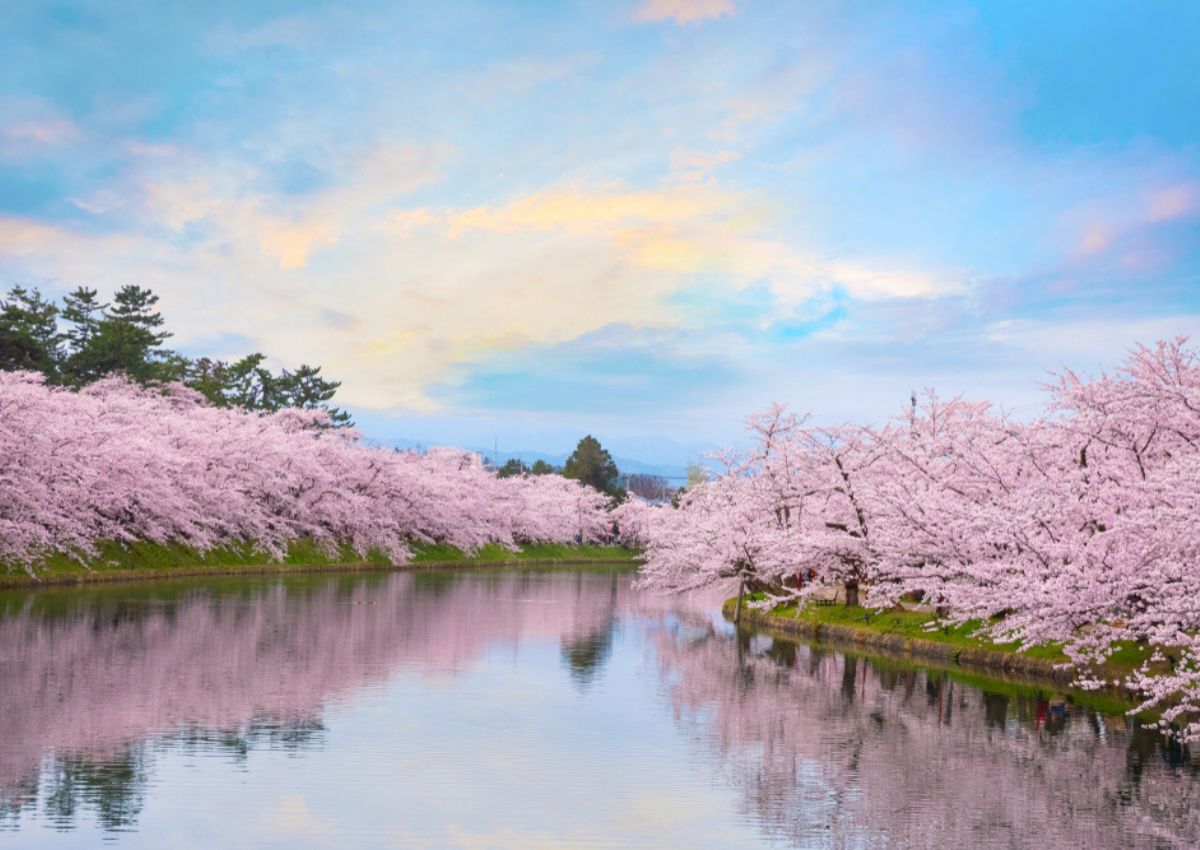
(794,509)
(822,480)
(1080,526)
(119,462)
(724,531)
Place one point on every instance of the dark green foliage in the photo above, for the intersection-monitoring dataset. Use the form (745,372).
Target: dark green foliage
(127,337)
(84,312)
(511,468)
(306,388)
(248,384)
(593,465)
(208,377)
(29,337)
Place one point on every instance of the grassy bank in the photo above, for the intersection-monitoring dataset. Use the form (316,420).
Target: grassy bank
(916,634)
(442,554)
(118,562)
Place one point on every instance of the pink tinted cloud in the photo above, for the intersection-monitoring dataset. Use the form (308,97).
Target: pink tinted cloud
(1095,240)
(1173,202)
(683,11)
(1104,228)
(56,131)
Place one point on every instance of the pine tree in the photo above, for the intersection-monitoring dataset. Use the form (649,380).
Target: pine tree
(84,312)
(128,339)
(593,465)
(305,388)
(250,385)
(29,336)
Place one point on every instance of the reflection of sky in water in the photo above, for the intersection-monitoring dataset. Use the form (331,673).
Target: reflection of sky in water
(509,754)
(523,710)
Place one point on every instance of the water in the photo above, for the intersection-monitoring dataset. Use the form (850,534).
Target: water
(529,710)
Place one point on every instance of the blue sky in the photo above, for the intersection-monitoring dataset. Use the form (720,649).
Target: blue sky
(525,221)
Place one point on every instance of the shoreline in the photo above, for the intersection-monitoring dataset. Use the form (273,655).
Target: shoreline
(980,660)
(20,580)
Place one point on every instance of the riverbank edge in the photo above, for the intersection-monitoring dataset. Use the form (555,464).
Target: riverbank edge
(980,660)
(22,580)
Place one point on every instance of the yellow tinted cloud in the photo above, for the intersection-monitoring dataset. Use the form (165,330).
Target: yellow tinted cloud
(593,210)
(182,192)
(291,243)
(408,300)
(20,236)
(695,229)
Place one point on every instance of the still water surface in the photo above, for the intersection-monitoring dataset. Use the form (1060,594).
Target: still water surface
(529,709)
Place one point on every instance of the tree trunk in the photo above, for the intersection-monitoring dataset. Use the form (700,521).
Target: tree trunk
(851,588)
(737,612)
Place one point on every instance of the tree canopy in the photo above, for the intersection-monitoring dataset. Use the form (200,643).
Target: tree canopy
(511,467)
(593,465)
(87,339)
(1080,527)
(119,462)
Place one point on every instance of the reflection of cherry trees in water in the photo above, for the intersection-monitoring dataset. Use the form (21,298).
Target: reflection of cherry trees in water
(96,682)
(825,751)
(834,751)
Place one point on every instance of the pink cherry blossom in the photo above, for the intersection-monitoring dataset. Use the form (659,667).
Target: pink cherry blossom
(120,462)
(1080,526)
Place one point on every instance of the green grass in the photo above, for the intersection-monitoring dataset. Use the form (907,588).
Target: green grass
(493,552)
(917,625)
(116,557)
(135,559)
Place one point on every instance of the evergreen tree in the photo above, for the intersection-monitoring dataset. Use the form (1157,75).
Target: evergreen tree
(128,339)
(83,310)
(29,336)
(127,336)
(305,388)
(592,464)
(511,468)
(209,378)
(251,385)
(540,467)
